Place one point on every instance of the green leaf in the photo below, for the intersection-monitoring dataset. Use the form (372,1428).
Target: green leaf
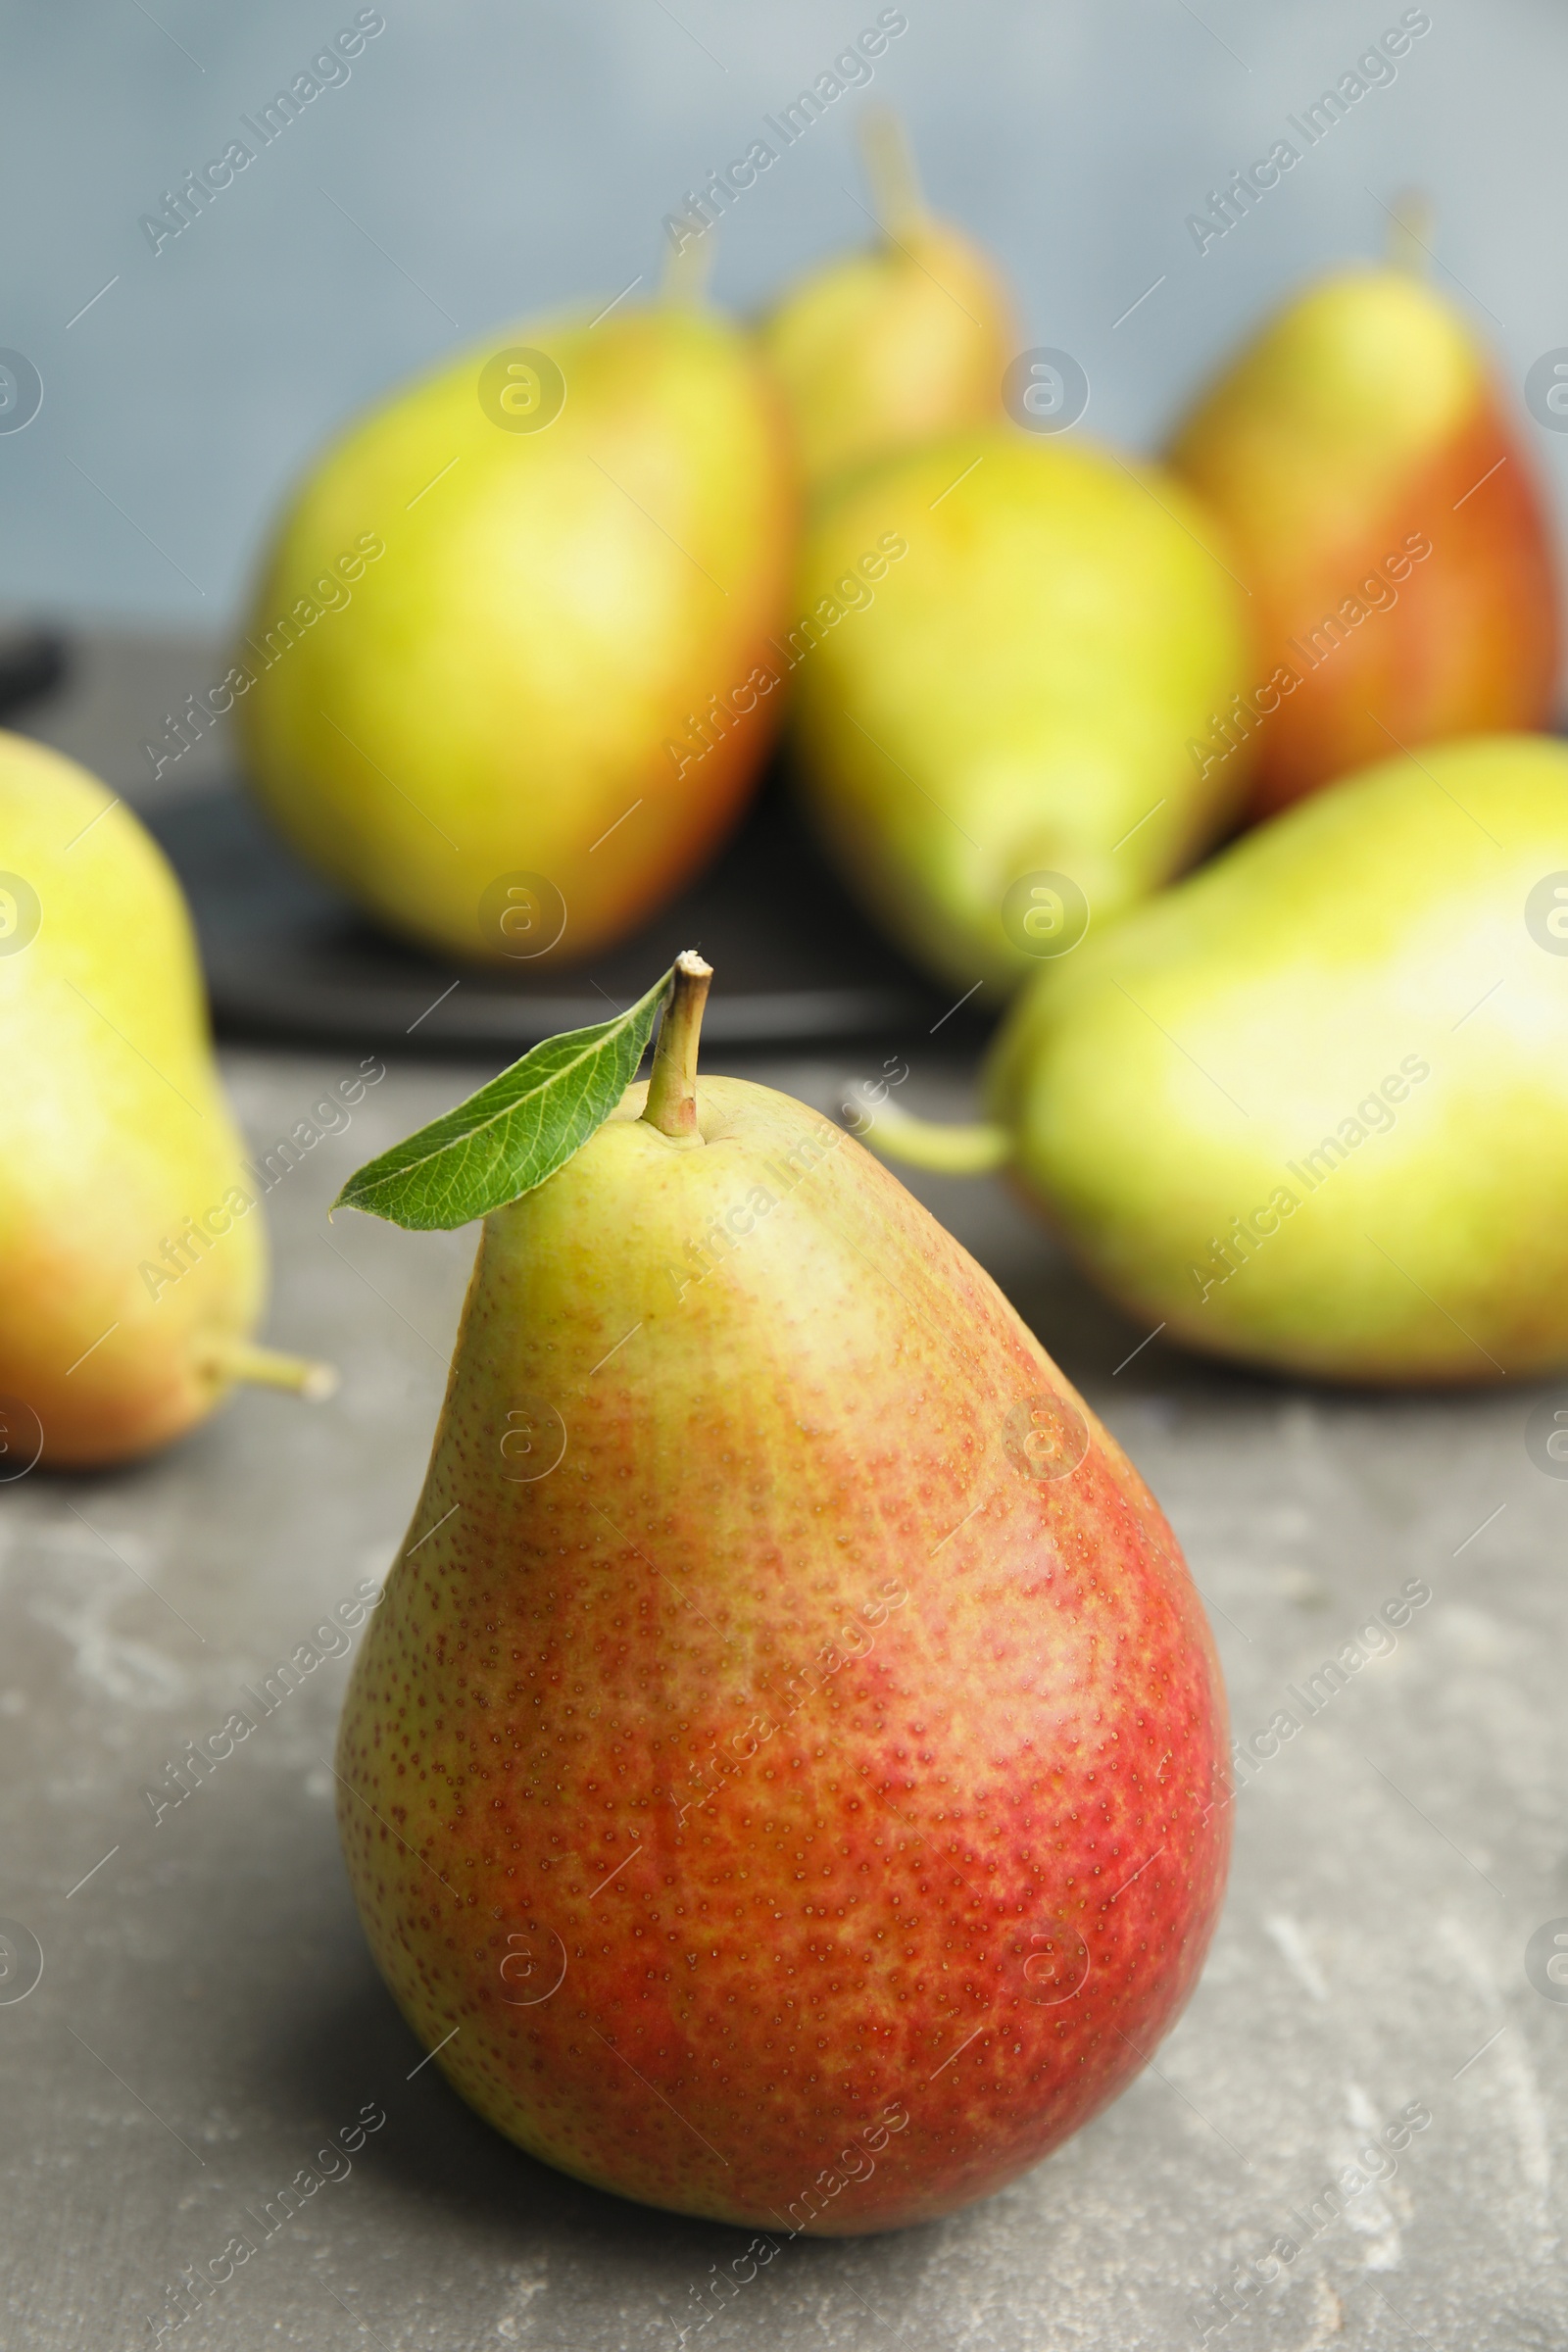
(514,1133)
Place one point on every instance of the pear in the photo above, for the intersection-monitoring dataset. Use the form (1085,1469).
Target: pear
(785,1779)
(131,1238)
(508,679)
(1390,525)
(1309,1108)
(1006,646)
(886,349)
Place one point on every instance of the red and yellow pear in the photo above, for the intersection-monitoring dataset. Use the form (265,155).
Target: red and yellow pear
(1388,520)
(132,1241)
(786,1777)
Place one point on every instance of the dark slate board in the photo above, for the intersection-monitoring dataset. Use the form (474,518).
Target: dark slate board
(288,957)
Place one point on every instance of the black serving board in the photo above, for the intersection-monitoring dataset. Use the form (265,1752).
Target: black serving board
(35,662)
(288,958)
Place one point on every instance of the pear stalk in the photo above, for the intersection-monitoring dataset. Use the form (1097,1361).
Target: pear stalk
(889,171)
(1410,232)
(687,270)
(270,1368)
(672,1105)
(972,1150)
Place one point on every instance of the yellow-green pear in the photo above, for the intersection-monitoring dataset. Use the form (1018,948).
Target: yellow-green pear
(132,1241)
(1309,1108)
(898,345)
(508,679)
(1007,644)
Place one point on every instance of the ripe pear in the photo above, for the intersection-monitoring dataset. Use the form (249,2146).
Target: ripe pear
(508,679)
(883,350)
(132,1241)
(1389,524)
(786,1777)
(1309,1108)
(1006,646)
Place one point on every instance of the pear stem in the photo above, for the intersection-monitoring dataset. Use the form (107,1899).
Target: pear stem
(672,1105)
(1410,232)
(270,1368)
(686,272)
(890,171)
(928,1144)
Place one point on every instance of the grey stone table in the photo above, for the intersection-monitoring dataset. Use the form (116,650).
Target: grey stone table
(207,2013)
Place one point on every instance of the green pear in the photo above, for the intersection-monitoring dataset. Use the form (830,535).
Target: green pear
(786,1777)
(131,1236)
(1008,643)
(508,679)
(1309,1108)
(885,349)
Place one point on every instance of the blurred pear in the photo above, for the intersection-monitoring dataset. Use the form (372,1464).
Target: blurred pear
(132,1241)
(510,672)
(1389,521)
(882,349)
(1006,646)
(1308,1110)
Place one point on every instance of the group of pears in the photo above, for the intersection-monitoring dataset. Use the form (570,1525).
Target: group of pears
(1030,682)
(794,1691)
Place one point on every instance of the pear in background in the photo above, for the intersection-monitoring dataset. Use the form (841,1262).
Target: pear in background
(1309,1108)
(885,349)
(133,1243)
(785,1779)
(1388,520)
(1007,644)
(510,652)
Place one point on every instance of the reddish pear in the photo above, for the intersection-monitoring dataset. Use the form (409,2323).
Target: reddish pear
(785,1779)
(1391,528)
